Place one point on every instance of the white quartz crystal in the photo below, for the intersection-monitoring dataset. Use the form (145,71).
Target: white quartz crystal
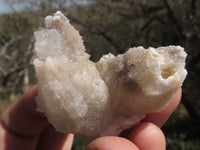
(95,99)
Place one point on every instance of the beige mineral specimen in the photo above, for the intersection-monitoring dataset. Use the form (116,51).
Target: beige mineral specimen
(93,99)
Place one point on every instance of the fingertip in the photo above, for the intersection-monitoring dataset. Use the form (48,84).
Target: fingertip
(21,117)
(28,102)
(148,136)
(111,143)
(159,118)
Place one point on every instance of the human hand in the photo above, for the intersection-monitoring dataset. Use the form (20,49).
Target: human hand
(23,128)
(147,135)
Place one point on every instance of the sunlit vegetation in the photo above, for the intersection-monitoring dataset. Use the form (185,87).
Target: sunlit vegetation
(110,26)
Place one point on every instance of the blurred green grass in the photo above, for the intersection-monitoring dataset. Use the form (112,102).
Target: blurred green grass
(4,104)
(80,143)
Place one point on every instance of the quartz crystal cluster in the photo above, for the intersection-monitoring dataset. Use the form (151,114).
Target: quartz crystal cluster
(95,99)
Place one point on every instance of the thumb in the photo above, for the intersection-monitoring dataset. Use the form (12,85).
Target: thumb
(110,143)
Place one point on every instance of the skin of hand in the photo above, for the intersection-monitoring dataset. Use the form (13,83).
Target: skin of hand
(23,128)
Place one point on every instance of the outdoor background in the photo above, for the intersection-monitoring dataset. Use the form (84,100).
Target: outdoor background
(108,26)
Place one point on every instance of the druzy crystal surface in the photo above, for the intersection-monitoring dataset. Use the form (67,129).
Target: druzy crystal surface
(95,99)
